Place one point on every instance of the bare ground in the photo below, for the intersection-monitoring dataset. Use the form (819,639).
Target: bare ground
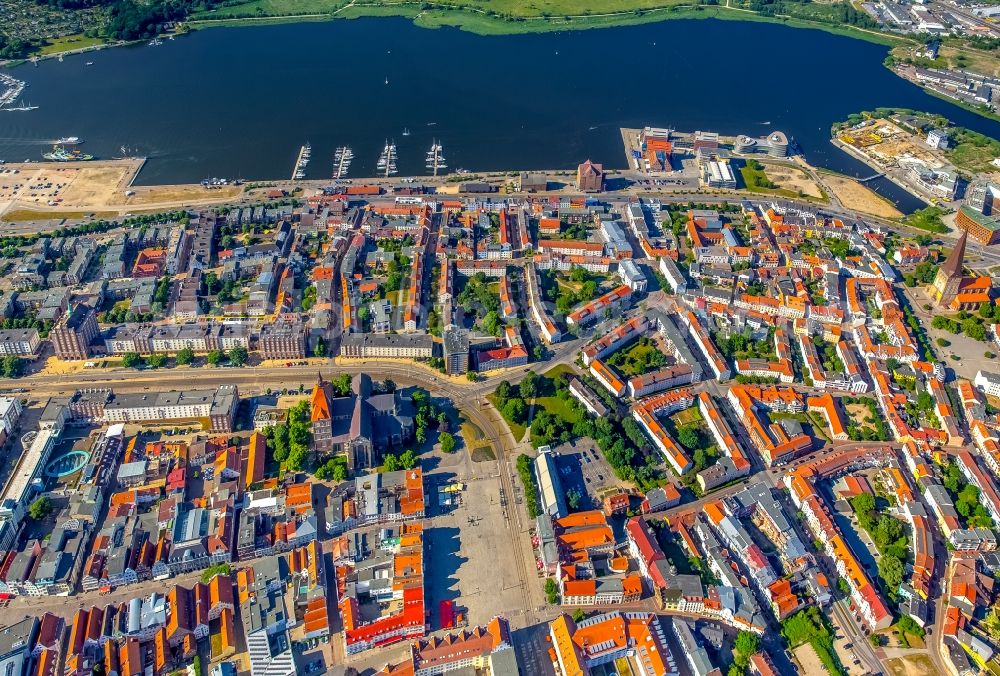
(791,178)
(856,196)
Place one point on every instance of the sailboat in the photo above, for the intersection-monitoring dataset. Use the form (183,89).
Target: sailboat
(21,106)
(406,131)
(387,79)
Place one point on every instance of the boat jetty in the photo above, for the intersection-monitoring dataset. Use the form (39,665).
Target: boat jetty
(305,152)
(10,89)
(342,161)
(386,164)
(435,158)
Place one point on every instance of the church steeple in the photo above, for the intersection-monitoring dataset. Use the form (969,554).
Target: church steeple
(949,276)
(954,265)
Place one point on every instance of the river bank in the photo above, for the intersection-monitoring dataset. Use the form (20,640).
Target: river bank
(487,22)
(379,63)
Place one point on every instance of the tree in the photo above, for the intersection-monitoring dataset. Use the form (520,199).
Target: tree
(447,442)
(238,356)
(340,472)
(320,349)
(689,437)
(471,376)
(503,392)
(492,324)
(528,388)
(407,459)
(11,366)
(551,591)
(579,615)
(155,361)
(891,571)
(280,443)
(214,357)
(131,360)
(973,329)
(342,384)
(390,463)
(514,410)
(297,456)
(925,402)
(185,356)
(573,498)
(40,508)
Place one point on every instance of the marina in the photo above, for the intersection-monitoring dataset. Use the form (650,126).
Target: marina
(301,162)
(13,88)
(435,158)
(342,161)
(184,148)
(386,164)
(21,106)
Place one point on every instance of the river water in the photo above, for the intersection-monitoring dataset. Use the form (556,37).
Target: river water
(239,102)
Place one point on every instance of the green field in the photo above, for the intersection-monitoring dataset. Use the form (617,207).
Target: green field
(558,407)
(68,43)
(505,17)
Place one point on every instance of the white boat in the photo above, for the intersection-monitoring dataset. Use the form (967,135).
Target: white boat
(89,63)
(70,140)
(155,42)
(21,106)
(406,131)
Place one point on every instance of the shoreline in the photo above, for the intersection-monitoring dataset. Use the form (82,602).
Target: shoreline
(480,23)
(433,16)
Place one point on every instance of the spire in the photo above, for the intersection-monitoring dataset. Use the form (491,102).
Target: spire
(954,265)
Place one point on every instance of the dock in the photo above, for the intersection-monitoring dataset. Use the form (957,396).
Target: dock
(14,87)
(299,172)
(386,164)
(342,161)
(435,158)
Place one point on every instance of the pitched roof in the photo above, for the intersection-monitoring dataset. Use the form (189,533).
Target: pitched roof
(952,267)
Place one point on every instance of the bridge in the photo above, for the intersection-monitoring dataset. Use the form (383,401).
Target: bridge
(870,178)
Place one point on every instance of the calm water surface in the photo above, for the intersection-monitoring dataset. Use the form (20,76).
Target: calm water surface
(238,102)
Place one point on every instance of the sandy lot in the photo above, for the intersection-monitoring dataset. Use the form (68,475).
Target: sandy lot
(71,185)
(75,189)
(808,660)
(791,178)
(856,196)
(916,665)
(180,194)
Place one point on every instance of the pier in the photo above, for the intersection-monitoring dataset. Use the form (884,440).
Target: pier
(386,164)
(14,87)
(342,161)
(435,158)
(299,172)
(866,179)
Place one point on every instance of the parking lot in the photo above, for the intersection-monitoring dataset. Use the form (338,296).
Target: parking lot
(583,467)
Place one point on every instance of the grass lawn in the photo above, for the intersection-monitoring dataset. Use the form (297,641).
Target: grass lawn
(33,215)
(479,447)
(256,8)
(752,179)
(556,371)
(506,17)
(558,408)
(975,153)
(686,417)
(67,43)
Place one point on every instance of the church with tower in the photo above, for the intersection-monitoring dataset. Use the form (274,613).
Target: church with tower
(952,290)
